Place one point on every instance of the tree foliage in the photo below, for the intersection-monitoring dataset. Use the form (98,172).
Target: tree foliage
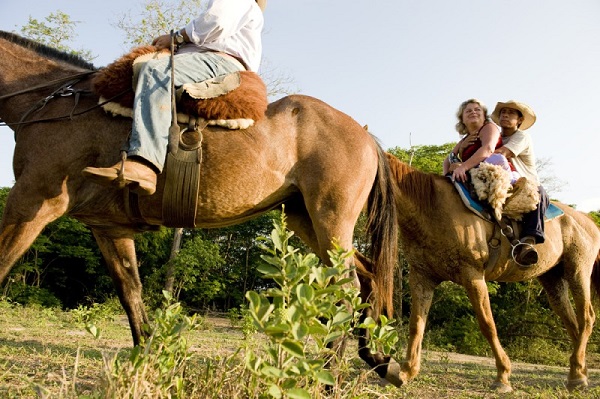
(156,18)
(427,158)
(57,30)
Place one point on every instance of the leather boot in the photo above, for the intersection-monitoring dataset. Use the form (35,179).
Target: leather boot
(526,253)
(139,177)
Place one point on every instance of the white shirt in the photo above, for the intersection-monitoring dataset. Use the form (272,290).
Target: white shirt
(231,26)
(520,144)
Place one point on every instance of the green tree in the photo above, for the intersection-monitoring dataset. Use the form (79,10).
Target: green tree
(57,31)
(427,158)
(156,18)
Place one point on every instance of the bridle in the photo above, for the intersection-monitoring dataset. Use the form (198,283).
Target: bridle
(65,90)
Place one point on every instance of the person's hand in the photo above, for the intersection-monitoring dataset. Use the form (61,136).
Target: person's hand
(453,166)
(467,141)
(460,173)
(163,41)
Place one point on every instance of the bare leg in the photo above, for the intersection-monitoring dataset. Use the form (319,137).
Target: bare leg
(119,252)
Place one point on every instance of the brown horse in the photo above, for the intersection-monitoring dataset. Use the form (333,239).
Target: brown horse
(444,241)
(318,162)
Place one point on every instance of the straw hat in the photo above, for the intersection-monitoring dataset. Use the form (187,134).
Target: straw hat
(262,4)
(528,114)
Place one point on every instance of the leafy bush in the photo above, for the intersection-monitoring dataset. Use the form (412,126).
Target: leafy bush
(312,308)
(31,295)
(156,368)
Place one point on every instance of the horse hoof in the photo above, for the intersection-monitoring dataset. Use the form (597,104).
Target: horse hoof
(578,384)
(500,387)
(393,373)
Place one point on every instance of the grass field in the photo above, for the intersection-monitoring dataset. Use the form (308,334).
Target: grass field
(47,353)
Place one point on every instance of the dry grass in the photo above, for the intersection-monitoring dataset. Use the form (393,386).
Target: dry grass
(44,353)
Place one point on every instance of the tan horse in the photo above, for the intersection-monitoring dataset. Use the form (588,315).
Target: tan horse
(443,241)
(318,162)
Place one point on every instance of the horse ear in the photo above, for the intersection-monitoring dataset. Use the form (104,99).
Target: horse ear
(366,127)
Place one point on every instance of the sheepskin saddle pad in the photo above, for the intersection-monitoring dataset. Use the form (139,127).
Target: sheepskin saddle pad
(234,101)
(491,184)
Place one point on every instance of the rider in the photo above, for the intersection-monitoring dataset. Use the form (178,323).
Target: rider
(224,39)
(514,118)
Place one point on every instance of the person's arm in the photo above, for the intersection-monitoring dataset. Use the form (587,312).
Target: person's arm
(447,166)
(220,19)
(506,152)
(489,136)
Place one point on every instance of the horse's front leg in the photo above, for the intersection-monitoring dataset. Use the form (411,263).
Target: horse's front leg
(119,252)
(480,300)
(26,213)
(421,291)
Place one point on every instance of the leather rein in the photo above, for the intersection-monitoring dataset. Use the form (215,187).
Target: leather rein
(64,90)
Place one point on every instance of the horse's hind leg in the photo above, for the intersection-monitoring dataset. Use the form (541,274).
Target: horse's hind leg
(585,321)
(300,222)
(557,290)
(119,252)
(421,292)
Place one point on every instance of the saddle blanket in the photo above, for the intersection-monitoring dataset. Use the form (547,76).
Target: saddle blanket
(478,207)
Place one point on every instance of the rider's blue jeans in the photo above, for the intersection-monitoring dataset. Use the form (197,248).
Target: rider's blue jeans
(152,103)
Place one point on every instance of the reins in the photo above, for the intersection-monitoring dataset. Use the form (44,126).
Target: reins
(63,91)
(48,84)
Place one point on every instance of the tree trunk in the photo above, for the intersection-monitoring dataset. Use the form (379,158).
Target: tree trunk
(170,279)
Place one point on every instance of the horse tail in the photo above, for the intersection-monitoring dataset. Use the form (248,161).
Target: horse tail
(382,229)
(596,275)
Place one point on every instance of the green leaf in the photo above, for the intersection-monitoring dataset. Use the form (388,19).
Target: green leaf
(332,336)
(268,270)
(317,329)
(325,377)
(298,393)
(299,330)
(294,348)
(271,371)
(275,392)
(277,331)
(341,318)
(368,323)
(305,293)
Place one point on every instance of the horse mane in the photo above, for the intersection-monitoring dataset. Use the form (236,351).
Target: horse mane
(47,51)
(416,185)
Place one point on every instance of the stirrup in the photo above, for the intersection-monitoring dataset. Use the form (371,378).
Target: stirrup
(120,180)
(518,249)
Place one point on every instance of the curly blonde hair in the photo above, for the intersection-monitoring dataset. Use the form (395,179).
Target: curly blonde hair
(460,126)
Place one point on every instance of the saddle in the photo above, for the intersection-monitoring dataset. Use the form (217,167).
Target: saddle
(233,101)
(490,196)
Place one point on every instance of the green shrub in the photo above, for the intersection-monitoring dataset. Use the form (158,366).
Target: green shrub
(312,308)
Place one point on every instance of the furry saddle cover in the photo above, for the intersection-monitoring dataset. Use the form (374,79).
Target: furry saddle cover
(492,184)
(234,101)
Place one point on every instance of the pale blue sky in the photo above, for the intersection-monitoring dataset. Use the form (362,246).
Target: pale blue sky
(403,67)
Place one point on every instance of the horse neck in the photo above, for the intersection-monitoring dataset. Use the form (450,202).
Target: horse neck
(416,194)
(23,67)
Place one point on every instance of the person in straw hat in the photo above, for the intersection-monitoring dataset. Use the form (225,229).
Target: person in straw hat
(480,138)
(514,118)
(225,38)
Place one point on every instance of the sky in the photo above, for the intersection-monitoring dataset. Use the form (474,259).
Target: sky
(403,67)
